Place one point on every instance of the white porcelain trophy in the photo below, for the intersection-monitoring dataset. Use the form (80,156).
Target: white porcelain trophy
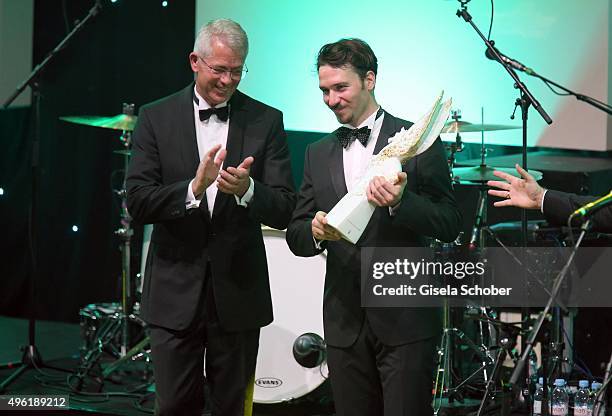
(351,214)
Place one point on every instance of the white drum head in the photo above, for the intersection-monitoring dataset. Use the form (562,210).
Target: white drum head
(297,297)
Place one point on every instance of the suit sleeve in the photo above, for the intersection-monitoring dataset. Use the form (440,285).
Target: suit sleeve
(149,199)
(431,209)
(274,195)
(299,232)
(558,206)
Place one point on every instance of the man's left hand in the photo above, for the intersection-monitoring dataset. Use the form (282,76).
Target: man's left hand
(236,180)
(383,193)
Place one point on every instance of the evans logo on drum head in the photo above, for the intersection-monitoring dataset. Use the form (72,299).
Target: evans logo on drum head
(268,382)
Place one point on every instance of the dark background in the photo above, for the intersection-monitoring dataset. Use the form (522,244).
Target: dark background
(133,51)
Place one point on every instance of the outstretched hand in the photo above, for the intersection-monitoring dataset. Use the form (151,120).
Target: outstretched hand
(521,192)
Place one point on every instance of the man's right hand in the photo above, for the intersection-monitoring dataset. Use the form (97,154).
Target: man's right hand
(321,230)
(208,170)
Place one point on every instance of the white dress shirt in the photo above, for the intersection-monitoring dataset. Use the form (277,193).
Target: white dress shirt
(210,133)
(356,157)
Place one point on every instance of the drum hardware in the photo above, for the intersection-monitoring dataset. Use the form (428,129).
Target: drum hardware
(138,351)
(474,175)
(102,340)
(457,146)
(449,389)
(125,233)
(506,344)
(116,329)
(446,383)
(456,126)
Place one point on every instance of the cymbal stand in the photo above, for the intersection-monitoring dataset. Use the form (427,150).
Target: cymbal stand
(108,333)
(125,233)
(455,147)
(505,345)
(446,384)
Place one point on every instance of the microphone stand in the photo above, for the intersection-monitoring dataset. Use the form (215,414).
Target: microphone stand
(581,97)
(520,365)
(525,101)
(31,357)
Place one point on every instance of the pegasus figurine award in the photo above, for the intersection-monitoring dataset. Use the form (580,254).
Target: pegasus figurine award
(351,214)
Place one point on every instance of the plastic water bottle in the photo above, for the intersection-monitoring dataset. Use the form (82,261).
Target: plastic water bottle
(538,396)
(559,399)
(594,390)
(581,399)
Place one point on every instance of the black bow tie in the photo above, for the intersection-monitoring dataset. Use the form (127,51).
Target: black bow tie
(221,112)
(347,136)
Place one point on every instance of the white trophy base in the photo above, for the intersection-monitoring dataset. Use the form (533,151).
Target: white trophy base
(351,215)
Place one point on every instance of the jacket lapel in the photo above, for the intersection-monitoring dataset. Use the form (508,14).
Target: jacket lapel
(336,168)
(188,139)
(387,129)
(235,142)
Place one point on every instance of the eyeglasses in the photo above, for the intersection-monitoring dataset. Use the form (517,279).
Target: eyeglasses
(235,74)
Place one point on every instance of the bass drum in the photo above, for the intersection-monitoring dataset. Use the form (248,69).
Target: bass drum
(297,297)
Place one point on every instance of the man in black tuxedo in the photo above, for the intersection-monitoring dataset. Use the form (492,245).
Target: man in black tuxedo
(381,361)
(209,166)
(524,192)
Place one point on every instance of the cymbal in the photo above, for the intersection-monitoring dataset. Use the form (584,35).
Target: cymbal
(481,174)
(119,122)
(457,126)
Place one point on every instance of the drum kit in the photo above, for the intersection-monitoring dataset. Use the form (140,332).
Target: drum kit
(117,329)
(113,328)
(456,347)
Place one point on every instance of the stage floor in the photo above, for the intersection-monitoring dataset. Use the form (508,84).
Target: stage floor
(58,344)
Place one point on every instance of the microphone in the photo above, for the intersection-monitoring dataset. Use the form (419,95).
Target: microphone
(309,350)
(592,207)
(478,223)
(507,60)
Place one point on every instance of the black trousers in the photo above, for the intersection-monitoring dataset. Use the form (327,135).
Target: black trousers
(372,379)
(178,364)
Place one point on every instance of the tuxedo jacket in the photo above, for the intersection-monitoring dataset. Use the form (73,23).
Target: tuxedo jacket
(558,206)
(184,243)
(427,208)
